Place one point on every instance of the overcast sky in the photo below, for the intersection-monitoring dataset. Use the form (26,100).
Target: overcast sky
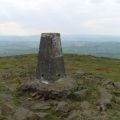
(31,17)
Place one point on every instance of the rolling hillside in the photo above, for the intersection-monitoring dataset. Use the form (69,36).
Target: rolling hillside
(91,73)
(105,46)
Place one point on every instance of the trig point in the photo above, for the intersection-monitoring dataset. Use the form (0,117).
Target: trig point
(51,82)
(50,66)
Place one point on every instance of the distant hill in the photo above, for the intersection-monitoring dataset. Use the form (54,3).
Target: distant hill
(104,49)
(106,46)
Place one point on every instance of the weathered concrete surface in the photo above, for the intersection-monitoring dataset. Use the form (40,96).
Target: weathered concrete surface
(50,59)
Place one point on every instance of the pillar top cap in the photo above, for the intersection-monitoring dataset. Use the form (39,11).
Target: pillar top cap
(50,34)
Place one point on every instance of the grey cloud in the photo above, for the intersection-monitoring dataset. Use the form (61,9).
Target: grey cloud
(118,1)
(73,16)
(97,1)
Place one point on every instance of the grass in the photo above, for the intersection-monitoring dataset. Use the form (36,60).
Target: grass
(15,70)
(105,67)
(25,65)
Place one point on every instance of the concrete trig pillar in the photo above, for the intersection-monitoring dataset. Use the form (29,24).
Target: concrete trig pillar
(50,66)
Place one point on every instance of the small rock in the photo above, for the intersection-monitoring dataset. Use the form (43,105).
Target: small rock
(5,98)
(74,115)
(105,100)
(22,114)
(87,115)
(40,106)
(25,114)
(85,105)
(27,103)
(41,114)
(80,115)
(34,94)
(6,109)
(117,85)
(109,84)
(36,116)
(29,99)
(11,88)
(63,108)
(37,97)
(81,94)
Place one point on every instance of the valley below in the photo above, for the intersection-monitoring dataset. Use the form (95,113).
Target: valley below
(101,46)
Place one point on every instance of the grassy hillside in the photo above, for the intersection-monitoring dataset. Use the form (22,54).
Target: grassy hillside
(105,67)
(25,65)
(89,71)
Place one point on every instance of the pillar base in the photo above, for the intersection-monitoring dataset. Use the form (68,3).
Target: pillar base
(62,88)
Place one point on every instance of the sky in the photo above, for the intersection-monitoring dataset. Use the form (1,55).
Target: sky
(33,17)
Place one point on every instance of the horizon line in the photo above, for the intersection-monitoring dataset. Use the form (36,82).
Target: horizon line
(107,35)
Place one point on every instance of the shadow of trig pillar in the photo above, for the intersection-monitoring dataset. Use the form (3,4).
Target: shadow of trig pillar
(50,66)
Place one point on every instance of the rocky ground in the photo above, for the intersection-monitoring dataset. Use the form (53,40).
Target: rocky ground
(93,98)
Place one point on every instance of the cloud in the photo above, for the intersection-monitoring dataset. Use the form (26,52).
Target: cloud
(104,25)
(69,17)
(97,1)
(12,28)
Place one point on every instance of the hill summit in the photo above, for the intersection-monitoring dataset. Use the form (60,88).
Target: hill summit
(96,97)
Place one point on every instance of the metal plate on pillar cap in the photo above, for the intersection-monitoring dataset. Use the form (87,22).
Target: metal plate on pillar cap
(50,66)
